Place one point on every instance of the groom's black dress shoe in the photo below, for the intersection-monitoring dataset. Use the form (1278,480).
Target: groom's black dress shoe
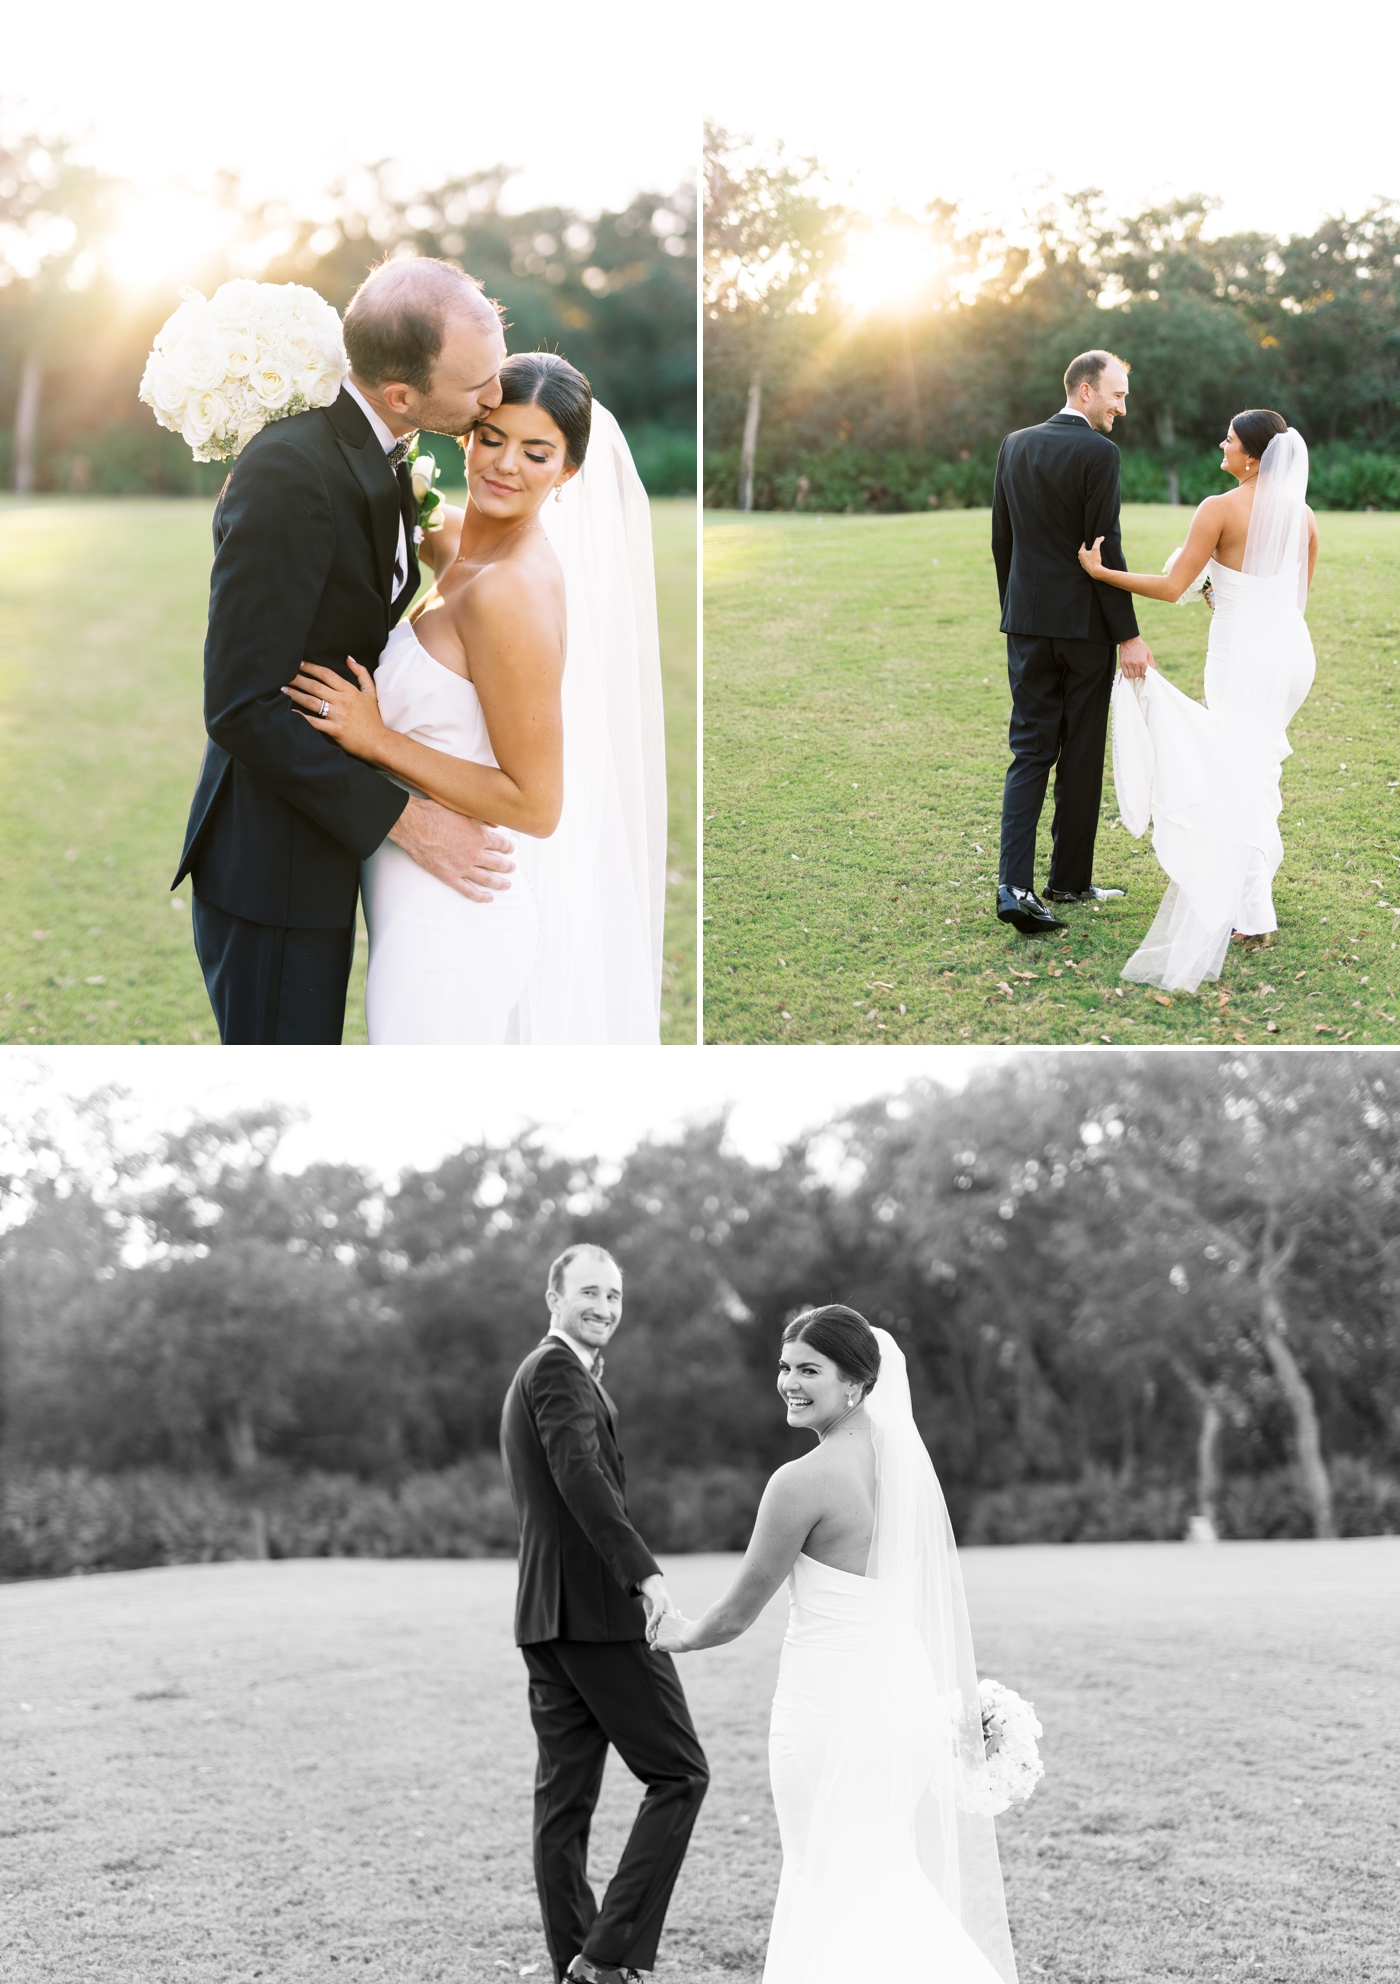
(1026,911)
(1091,894)
(600,1973)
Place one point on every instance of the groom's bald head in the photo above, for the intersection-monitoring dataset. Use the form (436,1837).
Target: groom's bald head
(424,338)
(395,321)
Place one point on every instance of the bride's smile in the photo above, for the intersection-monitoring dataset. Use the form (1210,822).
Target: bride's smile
(816,1395)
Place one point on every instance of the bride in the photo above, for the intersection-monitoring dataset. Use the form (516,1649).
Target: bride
(523,690)
(876,1753)
(1207,775)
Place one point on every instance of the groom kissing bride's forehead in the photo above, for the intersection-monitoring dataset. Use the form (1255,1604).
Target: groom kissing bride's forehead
(315,560)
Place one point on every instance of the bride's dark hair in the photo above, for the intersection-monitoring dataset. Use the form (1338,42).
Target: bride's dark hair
(843,1336)
(543,378)
(1255,429)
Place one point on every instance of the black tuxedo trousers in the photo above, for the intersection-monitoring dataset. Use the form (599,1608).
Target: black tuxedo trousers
(1060,694)
(585,1695)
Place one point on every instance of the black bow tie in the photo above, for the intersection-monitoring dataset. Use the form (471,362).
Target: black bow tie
(399,452)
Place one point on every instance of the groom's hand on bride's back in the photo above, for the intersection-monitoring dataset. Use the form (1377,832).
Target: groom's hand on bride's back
(469,856)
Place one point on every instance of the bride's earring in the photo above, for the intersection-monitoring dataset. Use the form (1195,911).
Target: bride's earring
(559,493)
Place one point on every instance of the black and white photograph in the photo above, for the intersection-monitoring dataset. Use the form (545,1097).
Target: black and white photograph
(802,1517)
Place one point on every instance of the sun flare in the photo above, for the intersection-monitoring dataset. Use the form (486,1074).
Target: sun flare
(162,234)
(891,265)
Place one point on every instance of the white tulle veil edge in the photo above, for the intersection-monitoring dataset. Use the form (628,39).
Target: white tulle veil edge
(1277,538)
(600,879)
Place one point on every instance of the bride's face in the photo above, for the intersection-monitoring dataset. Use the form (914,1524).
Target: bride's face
(812,1388)
(1234,459)
(516,458)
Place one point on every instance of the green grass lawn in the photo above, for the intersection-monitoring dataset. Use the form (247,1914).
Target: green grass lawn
(102,609)
(856,706)
(305,1771)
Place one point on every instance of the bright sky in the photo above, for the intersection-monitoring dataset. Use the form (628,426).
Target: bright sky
(395,1107)
(593,103)
(1286,112)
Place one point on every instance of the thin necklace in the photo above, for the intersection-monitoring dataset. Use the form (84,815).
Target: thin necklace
(529,524)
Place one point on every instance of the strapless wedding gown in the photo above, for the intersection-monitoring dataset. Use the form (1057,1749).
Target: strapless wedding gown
(853,1899)
(1206,775)
(443,971)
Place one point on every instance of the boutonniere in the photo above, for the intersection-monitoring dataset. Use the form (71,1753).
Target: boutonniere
(423,470)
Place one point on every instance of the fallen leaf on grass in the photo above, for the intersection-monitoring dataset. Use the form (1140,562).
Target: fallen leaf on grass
(1160,998)
(1271,1026)
(1324,1029)
(1002,986)
(1025,974)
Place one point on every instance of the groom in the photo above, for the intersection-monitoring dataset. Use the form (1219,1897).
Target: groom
(314,559)
(1057,488)
(588,1585)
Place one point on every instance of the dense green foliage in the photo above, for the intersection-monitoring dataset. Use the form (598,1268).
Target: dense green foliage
(900,407)
(615,293)
(1077,1256)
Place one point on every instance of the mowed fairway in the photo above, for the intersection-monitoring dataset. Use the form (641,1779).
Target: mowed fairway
(102,611)
(856,708)
(312,1770)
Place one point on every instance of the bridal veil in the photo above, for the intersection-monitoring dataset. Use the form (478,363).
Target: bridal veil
(600,879)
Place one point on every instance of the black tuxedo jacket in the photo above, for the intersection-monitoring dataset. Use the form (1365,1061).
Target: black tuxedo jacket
(304,539)
(1057,488)
(580,1558)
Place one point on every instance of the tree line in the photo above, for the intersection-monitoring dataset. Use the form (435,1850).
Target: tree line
(807,400)
(614,292)
(1170,1269)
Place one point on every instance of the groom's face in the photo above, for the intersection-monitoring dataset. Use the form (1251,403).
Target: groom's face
(589,1305)
(465,382)
(1108,399)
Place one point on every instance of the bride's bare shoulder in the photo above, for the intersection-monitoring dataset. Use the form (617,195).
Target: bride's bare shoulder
(521,590)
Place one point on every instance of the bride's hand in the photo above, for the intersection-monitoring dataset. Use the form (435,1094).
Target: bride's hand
(351,709)
(1090,560)
(666,1632)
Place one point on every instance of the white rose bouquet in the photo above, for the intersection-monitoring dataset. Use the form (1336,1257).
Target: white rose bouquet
(223,366)
(1009,1730)
(1198,589)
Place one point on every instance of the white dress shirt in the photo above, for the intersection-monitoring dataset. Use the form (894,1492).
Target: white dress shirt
(1064,409)
(387,442)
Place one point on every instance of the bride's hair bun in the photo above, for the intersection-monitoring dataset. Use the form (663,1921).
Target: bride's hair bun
(1255,429)
(543,378)
(842,1335)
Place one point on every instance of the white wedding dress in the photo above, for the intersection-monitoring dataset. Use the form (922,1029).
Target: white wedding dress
(570,954)
(876,1754)
(1206,775)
